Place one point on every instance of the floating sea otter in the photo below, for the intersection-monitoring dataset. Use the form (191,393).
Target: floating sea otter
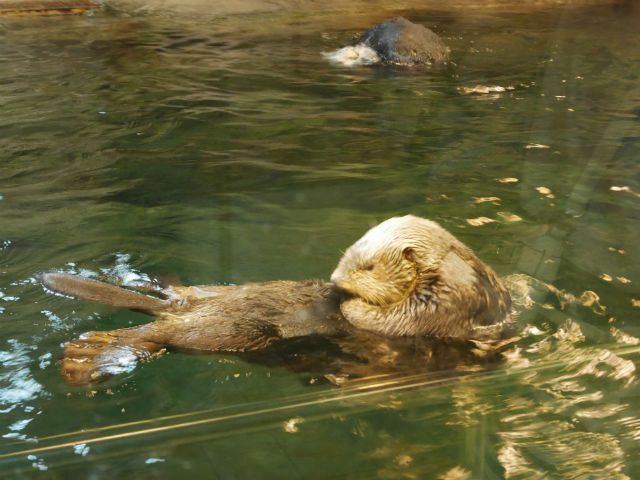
(397,41)
(405,283)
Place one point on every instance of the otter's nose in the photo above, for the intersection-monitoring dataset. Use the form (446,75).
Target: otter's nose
(336,277)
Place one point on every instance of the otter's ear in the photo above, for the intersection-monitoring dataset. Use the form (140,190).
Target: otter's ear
(409,254)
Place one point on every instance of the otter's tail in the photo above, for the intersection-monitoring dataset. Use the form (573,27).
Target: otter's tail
(97,355)
(100,292)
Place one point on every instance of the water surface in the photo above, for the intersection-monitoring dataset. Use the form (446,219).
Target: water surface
(223,148)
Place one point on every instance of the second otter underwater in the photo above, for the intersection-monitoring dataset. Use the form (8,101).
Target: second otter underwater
(406,297)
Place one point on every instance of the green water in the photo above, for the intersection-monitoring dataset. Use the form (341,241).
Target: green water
(226,149)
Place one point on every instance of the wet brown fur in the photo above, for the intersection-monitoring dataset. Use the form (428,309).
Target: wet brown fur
(209,318)
(401,42)
(406,285)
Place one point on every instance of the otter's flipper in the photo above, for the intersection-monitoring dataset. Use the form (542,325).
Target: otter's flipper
(95,291)
(97,355)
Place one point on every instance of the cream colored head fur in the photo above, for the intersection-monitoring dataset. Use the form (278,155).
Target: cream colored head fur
(384,266)
(354,55)
(410,276)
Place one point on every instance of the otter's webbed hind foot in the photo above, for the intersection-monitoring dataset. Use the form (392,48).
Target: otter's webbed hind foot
(97,355)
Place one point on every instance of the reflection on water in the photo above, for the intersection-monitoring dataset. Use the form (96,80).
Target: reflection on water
(18,384)
(226,149)
(555,428)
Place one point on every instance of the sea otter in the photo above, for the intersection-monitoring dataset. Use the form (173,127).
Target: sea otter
(405,283)
(396,41)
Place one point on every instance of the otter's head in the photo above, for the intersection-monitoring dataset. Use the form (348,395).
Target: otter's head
(387,263)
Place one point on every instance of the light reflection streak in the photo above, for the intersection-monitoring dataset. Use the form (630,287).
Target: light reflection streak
(359,390)
(566,440)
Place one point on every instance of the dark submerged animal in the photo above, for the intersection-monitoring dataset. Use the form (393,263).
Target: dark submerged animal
(402,42)
(399,291)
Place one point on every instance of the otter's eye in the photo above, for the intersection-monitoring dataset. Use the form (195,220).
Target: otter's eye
(368,267)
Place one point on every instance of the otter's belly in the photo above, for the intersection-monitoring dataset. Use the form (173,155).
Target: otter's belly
(249,317)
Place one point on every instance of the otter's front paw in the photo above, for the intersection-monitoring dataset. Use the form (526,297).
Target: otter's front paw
(359,313)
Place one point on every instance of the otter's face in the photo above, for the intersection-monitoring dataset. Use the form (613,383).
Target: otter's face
(379,277)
